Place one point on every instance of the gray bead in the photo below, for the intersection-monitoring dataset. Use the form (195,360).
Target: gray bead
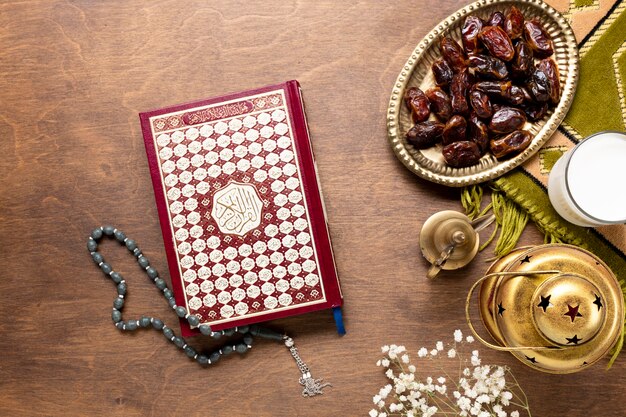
(247,339)
(160,283)
(97,257)
(121,288)
(241,348)
(254,330)
(205,329)
(131,245)
(144,321)
(116,315)
(131,325)
(181,311)
(116,277)
(229,332)
(120,325)
(96,233)
(243,329)
(172,302)
(179,341)
(137,252)
(227,350)
(167,293)
(167,332)
(106,268)
(216,335)
(157,324)
(214,357)
(120,236)
(143,262)
(190,352)
(118,303)
(92,245)
(108,230)
(193,320)
(152,273)
(202,360)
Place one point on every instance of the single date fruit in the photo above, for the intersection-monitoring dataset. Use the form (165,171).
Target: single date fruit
(535,111)
(478,133)
(506,120)
(469,34)
(425,134)
(453,54)
(442,72)
(439,103)
(514,23)
(512,143)
(522,64)
(458,93)
(539,86)
(418,103)
(455,130)
(497,42)
(538,39)
(496,19)
(548,67)
(461,154)
(488,67)
(480,103)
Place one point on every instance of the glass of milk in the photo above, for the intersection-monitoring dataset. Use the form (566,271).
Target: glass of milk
(587,185)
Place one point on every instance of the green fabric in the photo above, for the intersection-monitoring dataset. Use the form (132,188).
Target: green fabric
(550,156)
(581,3)
(596,106)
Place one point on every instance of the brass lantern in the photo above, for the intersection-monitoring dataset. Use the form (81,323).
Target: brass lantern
(558,308)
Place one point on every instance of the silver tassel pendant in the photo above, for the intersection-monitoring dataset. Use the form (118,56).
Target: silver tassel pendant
(311,386)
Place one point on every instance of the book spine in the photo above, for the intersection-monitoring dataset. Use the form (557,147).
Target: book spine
(303,140)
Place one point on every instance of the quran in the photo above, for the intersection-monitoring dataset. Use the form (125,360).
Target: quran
(240,208)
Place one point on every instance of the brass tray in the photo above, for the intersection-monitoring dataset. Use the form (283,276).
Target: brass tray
(429,163)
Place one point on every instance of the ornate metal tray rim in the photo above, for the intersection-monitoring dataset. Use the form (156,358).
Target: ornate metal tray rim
(395,136)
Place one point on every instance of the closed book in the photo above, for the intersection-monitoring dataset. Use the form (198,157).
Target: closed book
(240,207)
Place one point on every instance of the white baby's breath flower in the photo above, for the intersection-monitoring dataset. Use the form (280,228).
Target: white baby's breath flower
(385,349)
(376,398)
(469,339)
(475,360)
(382,415)
(412,369)
(484,414)
(389,373)
(405,358)
(452,353)
(439,346)
(433,352)
(422,353)
(385,362)
(441,380)
(506,397)
(458,336)
(515,413)
(373,413)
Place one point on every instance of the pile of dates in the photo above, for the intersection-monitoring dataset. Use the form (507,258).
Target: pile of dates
(486,90)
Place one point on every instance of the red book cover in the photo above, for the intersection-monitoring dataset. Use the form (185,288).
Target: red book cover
(240,207)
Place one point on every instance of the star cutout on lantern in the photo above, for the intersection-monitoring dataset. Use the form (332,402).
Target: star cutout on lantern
(533,360)
(573,340)
(526,259)
(545,302)
(572,312)
(598,302)
(501,309)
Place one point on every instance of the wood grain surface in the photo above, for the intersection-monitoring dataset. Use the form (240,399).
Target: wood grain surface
(74,75)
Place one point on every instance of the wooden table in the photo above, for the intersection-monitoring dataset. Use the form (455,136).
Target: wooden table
(74,75)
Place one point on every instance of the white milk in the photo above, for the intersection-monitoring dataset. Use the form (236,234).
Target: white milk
(587,185)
